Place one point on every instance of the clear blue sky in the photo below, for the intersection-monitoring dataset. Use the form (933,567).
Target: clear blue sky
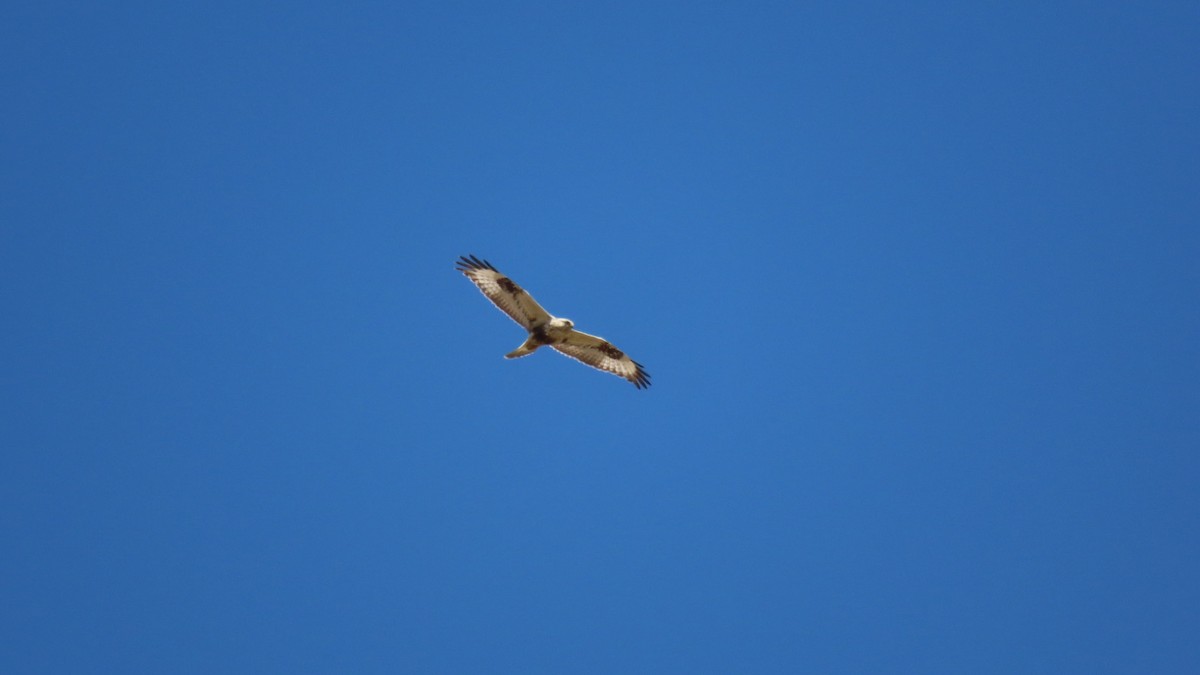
(918,285)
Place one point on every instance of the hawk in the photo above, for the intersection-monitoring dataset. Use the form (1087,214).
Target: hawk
(544,329)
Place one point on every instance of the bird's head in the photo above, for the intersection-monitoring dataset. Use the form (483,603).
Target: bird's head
(563,323)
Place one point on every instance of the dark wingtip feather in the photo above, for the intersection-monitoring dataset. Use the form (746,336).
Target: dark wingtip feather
(472,262)
(640,379)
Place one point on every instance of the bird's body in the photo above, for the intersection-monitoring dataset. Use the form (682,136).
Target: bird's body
(544,329)
(554,331)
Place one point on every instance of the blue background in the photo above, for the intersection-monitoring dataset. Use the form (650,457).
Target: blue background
(917,284)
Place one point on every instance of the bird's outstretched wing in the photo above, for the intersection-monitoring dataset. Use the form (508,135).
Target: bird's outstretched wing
(599,353)
(503,292)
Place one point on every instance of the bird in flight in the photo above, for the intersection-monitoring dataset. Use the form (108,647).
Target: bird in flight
(544,329)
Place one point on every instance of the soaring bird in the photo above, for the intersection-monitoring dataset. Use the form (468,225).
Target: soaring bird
(559,334)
